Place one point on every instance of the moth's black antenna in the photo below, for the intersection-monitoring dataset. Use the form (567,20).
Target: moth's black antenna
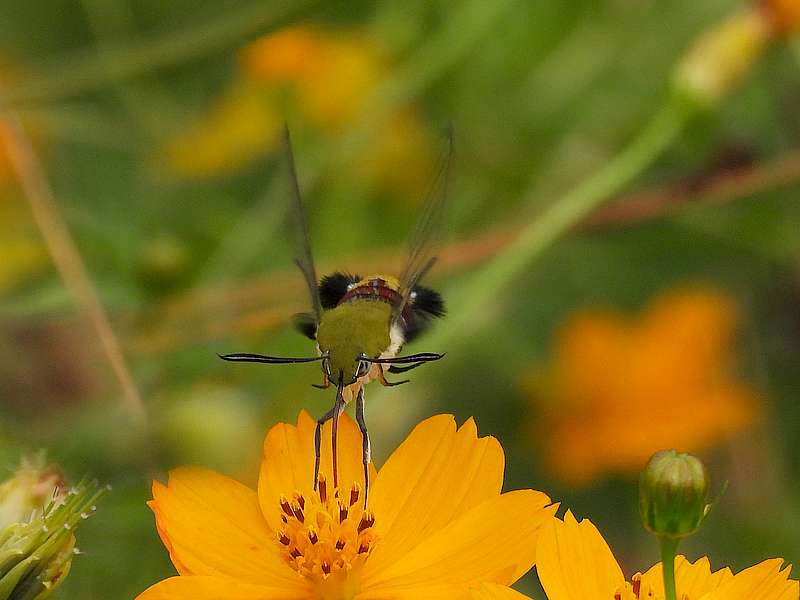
(422,357)
(261,358)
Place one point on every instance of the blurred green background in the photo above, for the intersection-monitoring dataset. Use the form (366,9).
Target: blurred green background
(155,123)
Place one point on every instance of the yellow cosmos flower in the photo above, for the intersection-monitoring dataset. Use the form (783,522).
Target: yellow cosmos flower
(437,525)
(620,389)
(574,562)
(323,77)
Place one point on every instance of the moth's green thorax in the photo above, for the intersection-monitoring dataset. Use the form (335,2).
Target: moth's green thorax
(350,329)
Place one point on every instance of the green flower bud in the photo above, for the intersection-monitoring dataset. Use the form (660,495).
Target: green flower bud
(672,494)
(36,552)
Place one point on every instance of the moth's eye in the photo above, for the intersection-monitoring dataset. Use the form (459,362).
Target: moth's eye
(363,367)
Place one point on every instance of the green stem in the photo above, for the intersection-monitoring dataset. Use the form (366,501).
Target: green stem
(669,546)
(561,216)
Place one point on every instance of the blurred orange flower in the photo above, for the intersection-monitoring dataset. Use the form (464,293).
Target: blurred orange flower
(784,13)
(437,522)
(324,78)
(619,388)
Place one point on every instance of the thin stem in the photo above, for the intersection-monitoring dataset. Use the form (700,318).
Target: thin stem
(66,256)
(560,217)
(669,546)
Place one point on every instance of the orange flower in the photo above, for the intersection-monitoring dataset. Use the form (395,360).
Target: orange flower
(575,563)
(620,389)
(324,78)
(332,72)
(784,13)
(437,524)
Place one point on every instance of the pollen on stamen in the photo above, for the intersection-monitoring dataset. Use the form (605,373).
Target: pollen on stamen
(297,510)
(367,521)
(286,507)
(355,491)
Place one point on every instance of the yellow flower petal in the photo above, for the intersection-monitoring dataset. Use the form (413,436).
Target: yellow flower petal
(436,474)
(691,579)
(493,591)
(217,588)
(288,463)
(574,562)
(494,542)
(212,525)
(764,581)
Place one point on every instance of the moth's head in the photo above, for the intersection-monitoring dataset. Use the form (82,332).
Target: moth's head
(345,367)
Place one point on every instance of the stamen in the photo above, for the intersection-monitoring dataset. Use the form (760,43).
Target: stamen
(312,536)
(363,547)
(342,513)
(298,512)
(354,493)
(326,568)
(340,543)
(295,553)
(286,506)
(283,538)
(322,488)
(636,583)
(301,500)
(367,521)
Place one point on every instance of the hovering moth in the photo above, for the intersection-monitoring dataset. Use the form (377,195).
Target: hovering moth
(361,323)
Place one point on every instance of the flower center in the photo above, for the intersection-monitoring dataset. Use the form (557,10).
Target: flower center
(325,534)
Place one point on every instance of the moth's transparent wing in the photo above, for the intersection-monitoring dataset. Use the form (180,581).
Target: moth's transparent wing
(425,238)
(298,235)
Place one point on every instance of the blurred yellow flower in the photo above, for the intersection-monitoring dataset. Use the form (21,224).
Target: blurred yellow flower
(436,526)
(324,78)
(619,389)
(574,562)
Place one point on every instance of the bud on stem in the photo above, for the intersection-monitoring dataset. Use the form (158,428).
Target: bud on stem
(672,502)
(672,494)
